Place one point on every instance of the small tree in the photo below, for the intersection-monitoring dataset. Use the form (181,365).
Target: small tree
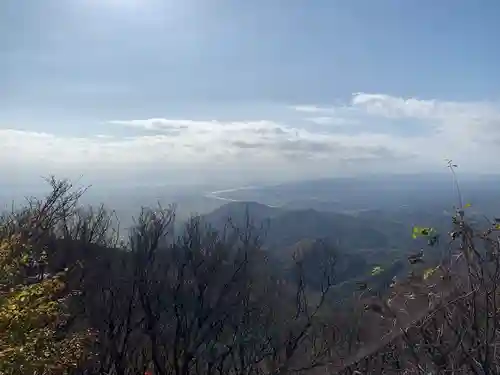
(32,315)
(36,336)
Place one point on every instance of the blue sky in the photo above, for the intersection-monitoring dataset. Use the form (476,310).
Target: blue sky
(246,90)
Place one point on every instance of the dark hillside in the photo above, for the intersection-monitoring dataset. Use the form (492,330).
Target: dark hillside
(283,228)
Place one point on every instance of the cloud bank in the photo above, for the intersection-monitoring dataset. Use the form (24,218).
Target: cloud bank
(369,133)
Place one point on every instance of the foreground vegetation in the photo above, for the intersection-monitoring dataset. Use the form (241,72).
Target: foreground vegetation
(76,298)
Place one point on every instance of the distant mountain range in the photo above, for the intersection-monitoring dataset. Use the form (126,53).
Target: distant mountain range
(281,227)
(361,241)
(367,220)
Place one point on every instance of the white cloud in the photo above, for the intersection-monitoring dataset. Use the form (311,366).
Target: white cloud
(265,140)
(396,107)
(314,109)
(248,149)
(163,125)
(464,122)
(460,130)
(467,132)
(328,120)
(393,107)
(437,112)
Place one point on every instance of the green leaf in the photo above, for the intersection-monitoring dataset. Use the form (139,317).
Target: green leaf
(429,272)
(377,270)
(422,231)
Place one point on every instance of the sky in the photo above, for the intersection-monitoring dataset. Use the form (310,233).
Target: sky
(195,91)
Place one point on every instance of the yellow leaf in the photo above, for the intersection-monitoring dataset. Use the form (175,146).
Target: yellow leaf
(429,272)
(29,316)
